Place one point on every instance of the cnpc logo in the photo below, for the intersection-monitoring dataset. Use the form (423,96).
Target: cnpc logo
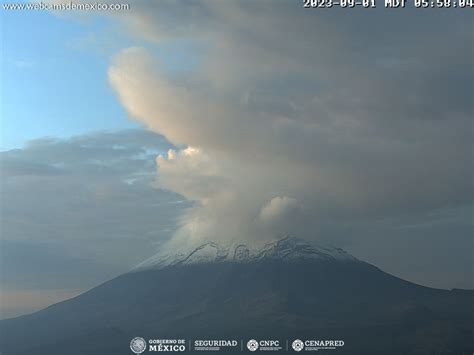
(272,345)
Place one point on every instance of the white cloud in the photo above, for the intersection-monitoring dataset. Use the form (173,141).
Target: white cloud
(279,208)
(190,173)
(283,215)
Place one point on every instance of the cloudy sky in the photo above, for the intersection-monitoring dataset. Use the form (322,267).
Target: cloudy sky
(173,123)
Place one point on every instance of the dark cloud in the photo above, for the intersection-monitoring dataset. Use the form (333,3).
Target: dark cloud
(78,211)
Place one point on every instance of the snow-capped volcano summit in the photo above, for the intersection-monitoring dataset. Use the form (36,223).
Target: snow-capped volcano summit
(287,249)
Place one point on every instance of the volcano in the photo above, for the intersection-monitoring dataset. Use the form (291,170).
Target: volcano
(289,289)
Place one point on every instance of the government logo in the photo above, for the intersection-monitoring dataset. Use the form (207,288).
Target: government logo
(138,345)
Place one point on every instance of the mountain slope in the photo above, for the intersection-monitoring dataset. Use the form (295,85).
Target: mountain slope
(286,289)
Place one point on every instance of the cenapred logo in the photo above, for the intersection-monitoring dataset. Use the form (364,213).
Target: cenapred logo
(316,345)
(252,345)
(138,345)
(297,345)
